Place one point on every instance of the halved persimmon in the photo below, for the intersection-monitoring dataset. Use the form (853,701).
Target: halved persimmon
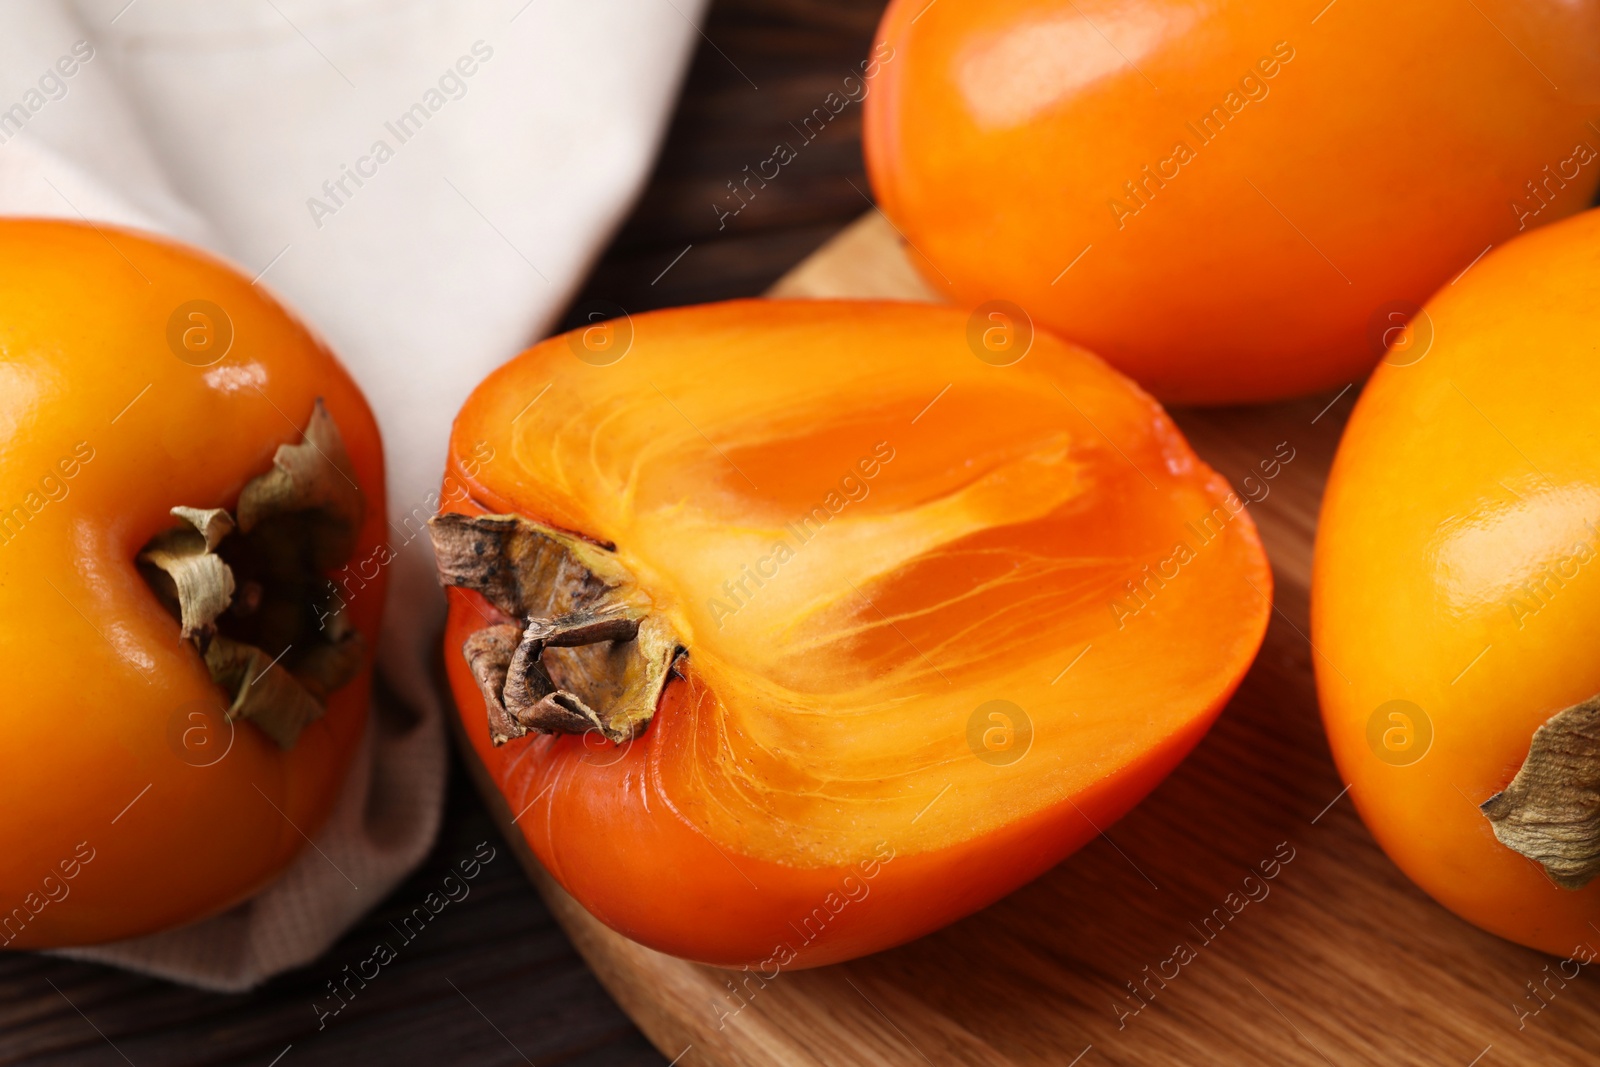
(793,630)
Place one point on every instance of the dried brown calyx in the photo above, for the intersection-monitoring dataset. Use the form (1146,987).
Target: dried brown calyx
(1550,812)
(588,654)
(250,592)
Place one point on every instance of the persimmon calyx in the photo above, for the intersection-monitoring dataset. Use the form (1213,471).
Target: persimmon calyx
(1550,812)
(589,656)
(249,593)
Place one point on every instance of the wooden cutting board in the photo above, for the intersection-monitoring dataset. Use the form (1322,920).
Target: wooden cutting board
(1342,962)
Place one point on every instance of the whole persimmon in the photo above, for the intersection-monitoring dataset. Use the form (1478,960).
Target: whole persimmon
(1228,201)
(182,465)
(1456,594)
(792,630)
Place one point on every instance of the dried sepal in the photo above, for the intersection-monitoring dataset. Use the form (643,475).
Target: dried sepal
(312,476)
(212,524)
(521,567)
(645,675)
(605,638)
(1550,812)
(488,654)
(261,690)
(201,583)
(589,656)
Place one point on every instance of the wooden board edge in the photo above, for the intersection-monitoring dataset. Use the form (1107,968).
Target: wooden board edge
(662,994)
(864,261)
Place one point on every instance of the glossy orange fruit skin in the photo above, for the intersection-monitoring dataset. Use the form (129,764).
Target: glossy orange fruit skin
(96,762)
(1453,570)
(766,875)
(1358,160)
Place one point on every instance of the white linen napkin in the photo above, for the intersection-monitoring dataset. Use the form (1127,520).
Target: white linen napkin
(425,183)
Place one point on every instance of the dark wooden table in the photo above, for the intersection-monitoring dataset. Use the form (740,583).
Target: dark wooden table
(495,981)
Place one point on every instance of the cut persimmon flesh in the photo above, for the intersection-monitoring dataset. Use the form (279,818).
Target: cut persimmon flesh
(802,631)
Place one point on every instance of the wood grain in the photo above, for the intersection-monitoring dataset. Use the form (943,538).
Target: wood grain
(1341,962)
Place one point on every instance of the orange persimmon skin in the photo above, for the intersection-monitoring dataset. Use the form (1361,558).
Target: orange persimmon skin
(625,829)
(1355,163)
(1453,571)
(117,823)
